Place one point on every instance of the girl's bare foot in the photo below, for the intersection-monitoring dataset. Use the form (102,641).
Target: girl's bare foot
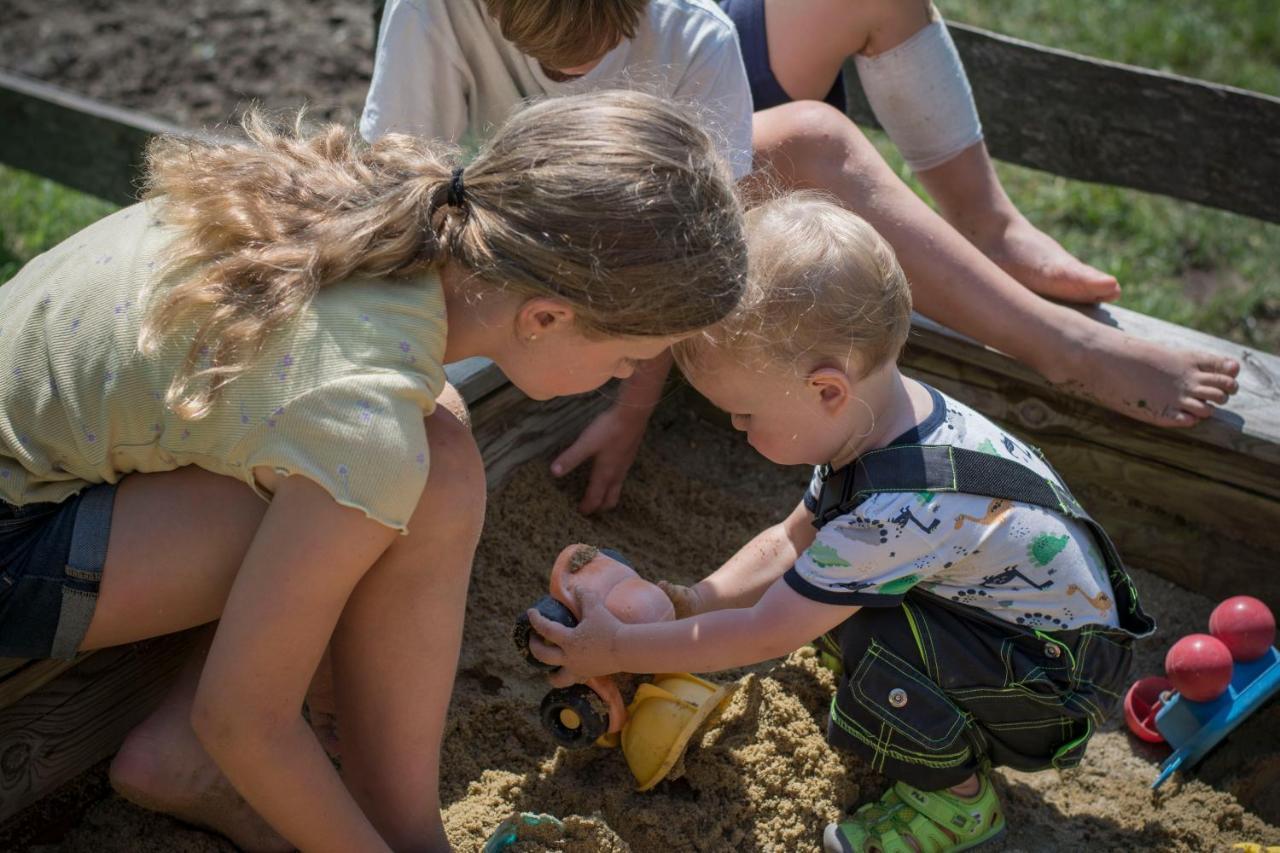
(163,767)
(1038,261)
(1165,386)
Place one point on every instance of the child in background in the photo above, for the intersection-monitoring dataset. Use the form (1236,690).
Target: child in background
(978,615)
(454,69)
(212,407)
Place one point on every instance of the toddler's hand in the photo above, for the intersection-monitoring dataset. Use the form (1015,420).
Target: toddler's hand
(684,599)
(585,651)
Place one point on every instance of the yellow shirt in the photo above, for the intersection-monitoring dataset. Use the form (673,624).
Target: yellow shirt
(338,395)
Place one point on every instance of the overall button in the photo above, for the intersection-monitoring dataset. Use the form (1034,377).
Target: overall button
(898,697)
(1052,650)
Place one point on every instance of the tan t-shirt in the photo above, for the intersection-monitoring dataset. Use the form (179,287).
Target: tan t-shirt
(338,395)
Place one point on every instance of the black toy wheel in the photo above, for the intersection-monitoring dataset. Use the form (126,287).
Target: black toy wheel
(553,610)
(575,716)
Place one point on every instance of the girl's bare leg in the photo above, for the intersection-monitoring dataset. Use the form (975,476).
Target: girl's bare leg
(177,541)
(811,145)
(809,42)
(396,647)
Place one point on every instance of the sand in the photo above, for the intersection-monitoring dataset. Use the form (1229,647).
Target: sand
(762,778)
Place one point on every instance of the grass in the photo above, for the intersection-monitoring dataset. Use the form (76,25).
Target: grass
(1203,268)
(36,214)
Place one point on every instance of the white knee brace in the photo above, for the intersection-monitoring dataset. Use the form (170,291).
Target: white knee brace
(921,96)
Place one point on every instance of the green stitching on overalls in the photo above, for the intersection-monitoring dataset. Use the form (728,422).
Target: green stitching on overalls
(855,686)
(857,731)
(915,633)
(1059,756)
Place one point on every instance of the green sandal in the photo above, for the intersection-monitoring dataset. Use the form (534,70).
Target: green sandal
(938,821)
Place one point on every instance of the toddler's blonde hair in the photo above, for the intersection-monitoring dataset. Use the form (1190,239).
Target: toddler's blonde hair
(615,202)
(822,285)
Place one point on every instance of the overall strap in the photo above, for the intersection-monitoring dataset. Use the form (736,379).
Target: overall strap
(938,468)
(944,468)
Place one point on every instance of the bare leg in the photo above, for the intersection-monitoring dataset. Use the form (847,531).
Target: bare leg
(811,145)
(163,767)
(973,201)
(177,541)
(396,647)
(809,41)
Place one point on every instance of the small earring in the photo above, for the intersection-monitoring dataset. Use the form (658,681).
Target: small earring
(531,338)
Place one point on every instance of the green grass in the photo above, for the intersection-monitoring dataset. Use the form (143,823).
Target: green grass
(1214,271)
(36,214)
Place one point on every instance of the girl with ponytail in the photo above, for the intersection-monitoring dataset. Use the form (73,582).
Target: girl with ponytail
(218,407)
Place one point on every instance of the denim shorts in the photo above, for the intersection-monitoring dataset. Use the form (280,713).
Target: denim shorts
(51,557)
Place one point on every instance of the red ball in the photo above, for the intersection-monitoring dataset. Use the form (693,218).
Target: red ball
(1245,625)
(1199,667)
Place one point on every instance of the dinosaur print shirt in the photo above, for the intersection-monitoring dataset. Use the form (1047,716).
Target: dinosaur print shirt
(1019,562)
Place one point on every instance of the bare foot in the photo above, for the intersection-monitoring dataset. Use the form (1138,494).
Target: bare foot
(163,767)
(1159,385)
(1038,261)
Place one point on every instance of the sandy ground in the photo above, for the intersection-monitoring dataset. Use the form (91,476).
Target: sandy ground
(763,778)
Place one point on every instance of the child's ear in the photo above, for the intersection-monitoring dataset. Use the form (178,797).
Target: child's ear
(832,386)
(540,315)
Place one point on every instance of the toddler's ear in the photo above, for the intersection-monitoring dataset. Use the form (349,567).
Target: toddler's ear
(832,386)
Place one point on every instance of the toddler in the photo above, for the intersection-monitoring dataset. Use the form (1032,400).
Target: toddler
(975,614)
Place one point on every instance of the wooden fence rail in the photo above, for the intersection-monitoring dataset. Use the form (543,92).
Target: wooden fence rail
(1101,121)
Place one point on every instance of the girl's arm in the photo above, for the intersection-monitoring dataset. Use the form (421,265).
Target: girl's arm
(306,558)
(781,621)
(747,574)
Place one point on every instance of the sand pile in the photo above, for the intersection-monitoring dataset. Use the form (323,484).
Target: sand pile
(762,778)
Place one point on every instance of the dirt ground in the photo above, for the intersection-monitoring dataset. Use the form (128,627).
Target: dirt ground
(762,778)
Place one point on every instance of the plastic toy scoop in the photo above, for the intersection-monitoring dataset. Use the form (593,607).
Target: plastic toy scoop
(662,717)
(1142,702)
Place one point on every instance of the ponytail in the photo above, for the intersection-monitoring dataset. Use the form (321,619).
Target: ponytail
(615,202)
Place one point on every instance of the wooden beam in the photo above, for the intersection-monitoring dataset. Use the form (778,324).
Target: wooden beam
(511,429)
(55,733)
(76,141)
(1111,123)
(1199,506)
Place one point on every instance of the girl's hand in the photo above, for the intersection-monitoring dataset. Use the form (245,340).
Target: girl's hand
(611,441)
(685,599)
(587,650)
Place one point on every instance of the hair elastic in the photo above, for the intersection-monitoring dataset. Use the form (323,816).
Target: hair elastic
(457,189)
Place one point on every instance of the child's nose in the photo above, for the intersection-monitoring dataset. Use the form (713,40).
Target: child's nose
(739,422)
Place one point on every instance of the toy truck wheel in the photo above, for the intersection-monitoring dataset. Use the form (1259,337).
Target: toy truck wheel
(575,716)
(553,610)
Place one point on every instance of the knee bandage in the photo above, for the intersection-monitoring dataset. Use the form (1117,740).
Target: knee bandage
(921,96)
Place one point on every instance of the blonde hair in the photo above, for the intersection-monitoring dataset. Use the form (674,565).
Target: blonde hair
(615,202)
(823,285)
(562,34)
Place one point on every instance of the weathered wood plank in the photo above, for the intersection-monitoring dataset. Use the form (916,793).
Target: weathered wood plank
(511,429)
(52,735)
(1102,121)
(475,378)
(84,144)
(1248,425)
